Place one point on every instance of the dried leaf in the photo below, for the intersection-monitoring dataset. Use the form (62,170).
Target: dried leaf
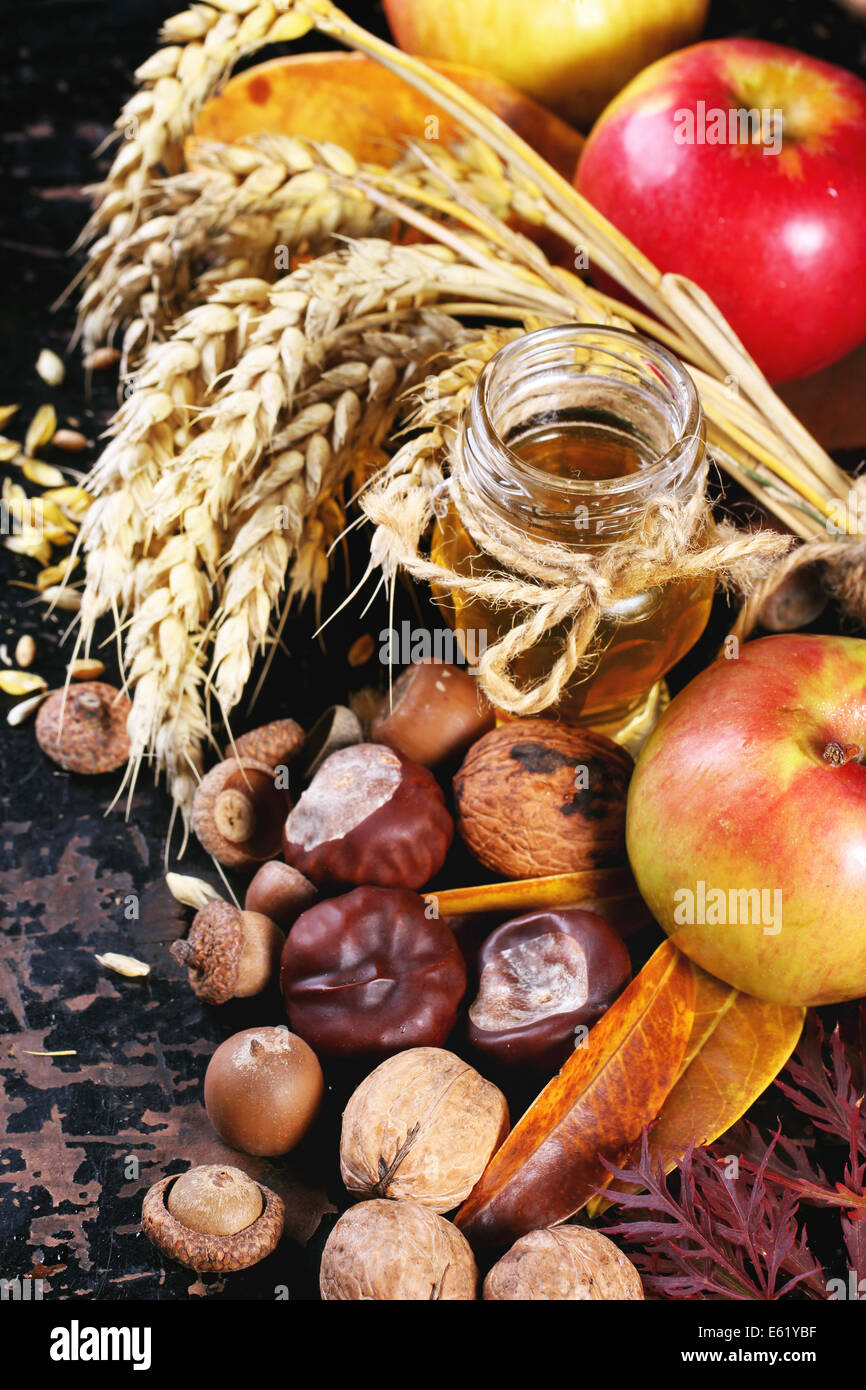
(40,430)
(737,1048)
(528,894)
(192,892)
(21,682)
(605,1095)
(124,965)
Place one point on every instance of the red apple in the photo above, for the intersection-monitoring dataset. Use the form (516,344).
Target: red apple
(773,227)
(746,825)
(571,55)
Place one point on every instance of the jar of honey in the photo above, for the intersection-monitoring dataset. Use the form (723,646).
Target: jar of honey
(569,433)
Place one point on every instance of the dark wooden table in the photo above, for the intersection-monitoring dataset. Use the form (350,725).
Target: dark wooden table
(82,1136)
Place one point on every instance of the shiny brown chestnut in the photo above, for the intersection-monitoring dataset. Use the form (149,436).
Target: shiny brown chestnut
(368,974)
(369,816)
(542,976)
(435,712)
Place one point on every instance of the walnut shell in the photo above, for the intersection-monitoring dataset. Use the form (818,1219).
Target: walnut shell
(381,1251)
(563,1262)
(422,1127)
(536,798)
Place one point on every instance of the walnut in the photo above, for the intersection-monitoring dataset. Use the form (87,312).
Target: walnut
(563,1262)
(536,798)
(381,1251)
(422,1127)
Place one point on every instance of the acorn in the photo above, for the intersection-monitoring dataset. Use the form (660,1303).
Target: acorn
(213,1219)
(281,892)
(238,812)
(83,729)
(276,744)
(229,953)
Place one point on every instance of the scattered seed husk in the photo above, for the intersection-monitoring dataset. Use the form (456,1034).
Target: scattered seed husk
(25,651)
(190,891)
(40,429)
(59,597)
(21,682)
(101,359)
(6,413)
(86,669)
(55,574)
(50,367)
(32,543)
(124,965)
(9,449)
(4,655)
(72,500)
(72,441)
(23,710)
(44,474)
(361,650)
(61,1052)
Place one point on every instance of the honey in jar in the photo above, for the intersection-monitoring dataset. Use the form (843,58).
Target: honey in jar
(569,433)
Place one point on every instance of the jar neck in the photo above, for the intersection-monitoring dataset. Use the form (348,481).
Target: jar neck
(607,385)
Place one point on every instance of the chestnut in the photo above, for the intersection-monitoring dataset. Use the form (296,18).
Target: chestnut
(369,816)
(279,892)
(434,712)
(368,974)
(541,977)
(262,1090)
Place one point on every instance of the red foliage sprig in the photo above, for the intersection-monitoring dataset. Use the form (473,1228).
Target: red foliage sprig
(718,1236)
(705,1233)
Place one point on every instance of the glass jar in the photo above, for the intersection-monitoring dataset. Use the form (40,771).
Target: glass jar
(569,433)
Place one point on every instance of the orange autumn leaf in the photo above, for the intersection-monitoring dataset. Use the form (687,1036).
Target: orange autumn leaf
(737,1048)
(605,1094)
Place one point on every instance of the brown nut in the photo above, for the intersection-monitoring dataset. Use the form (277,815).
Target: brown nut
(204,1251)
(422,1127)
(276,744)
(238,812)
(563,1262)
(534,798)
(384,1251)
(83,729)
(280,892)
(262,1090)
(542,977)
(434,712)
(229,954)
(369,816)
(215,1200)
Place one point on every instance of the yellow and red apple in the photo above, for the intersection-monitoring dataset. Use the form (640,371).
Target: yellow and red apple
(746,824)
(571,55)
(767,214)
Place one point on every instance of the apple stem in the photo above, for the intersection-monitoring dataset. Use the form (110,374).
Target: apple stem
(838,754)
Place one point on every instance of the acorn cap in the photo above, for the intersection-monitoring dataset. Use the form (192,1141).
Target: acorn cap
(238,812)
(212,951)
(208,1254)
(83,729)
(276,744)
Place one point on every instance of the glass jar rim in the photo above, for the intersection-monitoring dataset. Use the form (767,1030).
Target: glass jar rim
(622,346)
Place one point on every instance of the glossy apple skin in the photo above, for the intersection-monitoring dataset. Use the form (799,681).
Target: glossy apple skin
(570,55)
(776,240)
(732,789)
